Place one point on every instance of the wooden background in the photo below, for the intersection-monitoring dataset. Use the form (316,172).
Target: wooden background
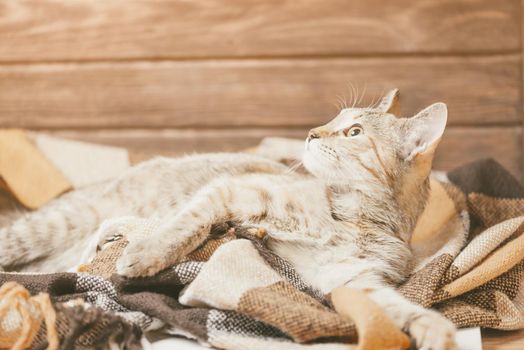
(177,76)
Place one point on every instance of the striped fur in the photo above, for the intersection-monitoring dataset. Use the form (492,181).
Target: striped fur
(348,224)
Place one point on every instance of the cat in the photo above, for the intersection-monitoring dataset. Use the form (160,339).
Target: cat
(347,223)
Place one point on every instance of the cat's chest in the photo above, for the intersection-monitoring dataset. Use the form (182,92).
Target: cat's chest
(322,266)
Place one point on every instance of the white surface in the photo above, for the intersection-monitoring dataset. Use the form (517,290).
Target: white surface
(83,163)
(467,339)
(177,343)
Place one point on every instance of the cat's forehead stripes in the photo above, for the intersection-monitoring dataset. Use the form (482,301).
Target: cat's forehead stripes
(345,119)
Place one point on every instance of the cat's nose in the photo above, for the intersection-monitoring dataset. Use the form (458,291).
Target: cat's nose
(313,134)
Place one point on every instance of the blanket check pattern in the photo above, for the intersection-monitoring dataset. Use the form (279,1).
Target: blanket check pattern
(234,293)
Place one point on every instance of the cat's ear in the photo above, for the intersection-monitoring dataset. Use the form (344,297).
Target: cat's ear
(390,103)
(424,131)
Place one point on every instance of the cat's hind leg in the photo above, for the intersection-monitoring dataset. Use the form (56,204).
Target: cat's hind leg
(53,228)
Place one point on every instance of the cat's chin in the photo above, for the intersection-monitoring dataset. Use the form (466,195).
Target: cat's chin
(314,166)
(309,163)
(323,172)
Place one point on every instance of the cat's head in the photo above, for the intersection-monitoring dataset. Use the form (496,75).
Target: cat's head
(371,148)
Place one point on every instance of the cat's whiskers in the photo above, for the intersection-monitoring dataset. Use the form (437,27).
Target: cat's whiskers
(336,104)
(293,167)
(329,152)
(362,95)
(375,106)
(374,101)
(350,92)
(354,94)
(342,102)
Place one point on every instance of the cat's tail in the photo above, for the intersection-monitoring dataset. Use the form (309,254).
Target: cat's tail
(40,233)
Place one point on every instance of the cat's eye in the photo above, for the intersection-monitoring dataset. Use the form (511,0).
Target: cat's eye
(355,130)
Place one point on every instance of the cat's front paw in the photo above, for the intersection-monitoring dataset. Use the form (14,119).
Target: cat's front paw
(114,229)
(131,228)
(433,331)
(141,258)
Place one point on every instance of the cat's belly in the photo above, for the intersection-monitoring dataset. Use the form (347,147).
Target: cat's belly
(324,267)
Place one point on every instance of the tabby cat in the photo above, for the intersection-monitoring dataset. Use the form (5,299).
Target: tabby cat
(347,223)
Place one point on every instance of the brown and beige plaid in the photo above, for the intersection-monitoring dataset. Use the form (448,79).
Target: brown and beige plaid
(234,293)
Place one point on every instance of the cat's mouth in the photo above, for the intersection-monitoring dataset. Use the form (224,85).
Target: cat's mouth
(307,143)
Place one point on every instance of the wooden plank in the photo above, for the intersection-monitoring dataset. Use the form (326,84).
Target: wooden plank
(121,29)
(459,145)
(499,340)
(522,73)
(250,93)
(171,142)
(462,145)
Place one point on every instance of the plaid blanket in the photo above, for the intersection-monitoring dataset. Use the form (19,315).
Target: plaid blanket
(234,293)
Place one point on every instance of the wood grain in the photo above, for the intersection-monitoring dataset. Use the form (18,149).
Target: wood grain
(119,29)
(239,70)
(522,77)
(251,93)
(499,340)
(459,146)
